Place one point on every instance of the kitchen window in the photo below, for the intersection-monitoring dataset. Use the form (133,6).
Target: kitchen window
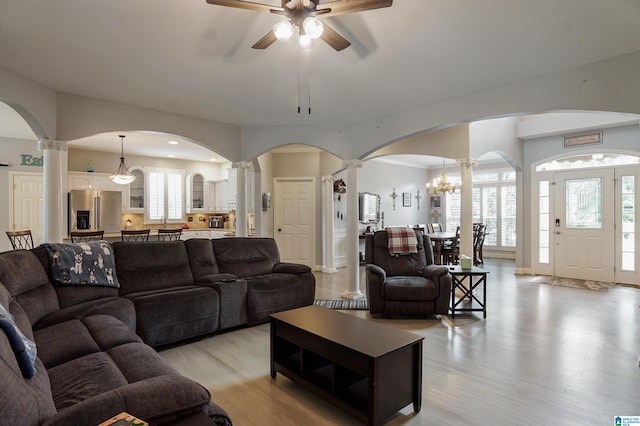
(165,195)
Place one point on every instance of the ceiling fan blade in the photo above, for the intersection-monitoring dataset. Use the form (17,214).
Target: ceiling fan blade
(340,7)
(265,41)
(333,39)
(241,4)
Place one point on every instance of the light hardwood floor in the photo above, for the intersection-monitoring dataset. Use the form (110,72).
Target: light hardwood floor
(545,355)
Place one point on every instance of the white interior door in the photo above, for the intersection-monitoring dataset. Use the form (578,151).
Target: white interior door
(584,231)
(28,205)
(294,219)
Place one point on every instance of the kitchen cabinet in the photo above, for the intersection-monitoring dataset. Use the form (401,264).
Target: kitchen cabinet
(196,193)
(221,195)
(232,190)
(134,196)
(97,181)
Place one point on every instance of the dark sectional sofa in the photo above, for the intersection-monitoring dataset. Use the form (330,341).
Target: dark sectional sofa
(94,342)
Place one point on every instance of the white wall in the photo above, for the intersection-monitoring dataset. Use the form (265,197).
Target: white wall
(34,102)
(381,178)
(80,117)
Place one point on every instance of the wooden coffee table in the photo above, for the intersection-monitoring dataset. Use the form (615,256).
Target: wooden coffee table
(369,370)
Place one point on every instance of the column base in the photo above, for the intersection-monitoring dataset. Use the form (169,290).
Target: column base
(329,270)
(353,295)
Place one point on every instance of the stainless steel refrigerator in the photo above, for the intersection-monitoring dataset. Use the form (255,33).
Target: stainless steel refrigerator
(91,210)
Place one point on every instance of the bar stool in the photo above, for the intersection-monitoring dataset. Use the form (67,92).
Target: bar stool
(21,240)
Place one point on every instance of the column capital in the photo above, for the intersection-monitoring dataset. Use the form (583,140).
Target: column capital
(352,163)
(466,162)
(239,165)
(51,144)
(329,178)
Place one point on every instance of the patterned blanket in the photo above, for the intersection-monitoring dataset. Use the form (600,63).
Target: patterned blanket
(402,240)
(89,263)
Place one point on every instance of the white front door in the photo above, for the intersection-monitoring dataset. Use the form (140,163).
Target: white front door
(294,219)
(584,225)
(28,205)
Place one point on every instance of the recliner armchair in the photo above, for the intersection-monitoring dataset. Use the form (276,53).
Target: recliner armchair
(407,284)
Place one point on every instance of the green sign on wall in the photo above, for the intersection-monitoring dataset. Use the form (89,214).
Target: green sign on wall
(30,160)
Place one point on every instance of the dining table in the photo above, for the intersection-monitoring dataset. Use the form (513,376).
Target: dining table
(438,238)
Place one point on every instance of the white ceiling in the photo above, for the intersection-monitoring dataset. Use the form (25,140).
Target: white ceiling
(195,59)
(148,144)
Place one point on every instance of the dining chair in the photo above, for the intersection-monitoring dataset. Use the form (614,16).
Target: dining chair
(135,235)
(169,234)
(21,240)
(451,251)
(436,227)
(86,236)
(479,232)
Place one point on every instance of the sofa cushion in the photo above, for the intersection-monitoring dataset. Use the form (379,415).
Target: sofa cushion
(89,263)
(271,293)
(410,288)
(173,314)
(23,401)
(63,342)
(118,307)
(149,265)
(246,256)
(83,378)
(27,281)
(201,257)
(159,400)
(73,295)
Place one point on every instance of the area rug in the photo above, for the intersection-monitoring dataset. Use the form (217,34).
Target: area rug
(569,282)
(345,304)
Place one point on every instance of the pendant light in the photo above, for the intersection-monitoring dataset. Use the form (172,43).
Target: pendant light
(122,175)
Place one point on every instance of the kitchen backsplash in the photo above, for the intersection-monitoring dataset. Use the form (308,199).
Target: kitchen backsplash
(198,221)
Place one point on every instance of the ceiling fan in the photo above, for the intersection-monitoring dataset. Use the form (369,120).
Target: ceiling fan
(302,14)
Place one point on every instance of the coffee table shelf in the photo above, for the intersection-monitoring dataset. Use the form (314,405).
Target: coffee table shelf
(369,370)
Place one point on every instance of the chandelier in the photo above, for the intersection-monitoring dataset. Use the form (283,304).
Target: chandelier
(441,185)
(122,175)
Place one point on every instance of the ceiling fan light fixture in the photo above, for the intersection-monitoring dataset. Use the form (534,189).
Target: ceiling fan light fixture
(313,27)
(305,41)
(283,30)
(122,175)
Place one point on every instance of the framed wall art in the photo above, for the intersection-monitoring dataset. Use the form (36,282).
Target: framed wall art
(406,199)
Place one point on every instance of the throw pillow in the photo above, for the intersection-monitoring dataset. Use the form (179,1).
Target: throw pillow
(89,263)
(23,348)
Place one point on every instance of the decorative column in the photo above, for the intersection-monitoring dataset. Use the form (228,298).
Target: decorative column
(466,206)
(241,198)
(327,225)
(53,191)
(353,262)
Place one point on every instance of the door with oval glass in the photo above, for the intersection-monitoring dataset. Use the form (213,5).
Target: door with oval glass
(584,232)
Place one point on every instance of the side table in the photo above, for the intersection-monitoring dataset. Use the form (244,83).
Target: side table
(476,279)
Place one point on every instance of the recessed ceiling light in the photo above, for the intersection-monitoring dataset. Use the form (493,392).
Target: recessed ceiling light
(173,143)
